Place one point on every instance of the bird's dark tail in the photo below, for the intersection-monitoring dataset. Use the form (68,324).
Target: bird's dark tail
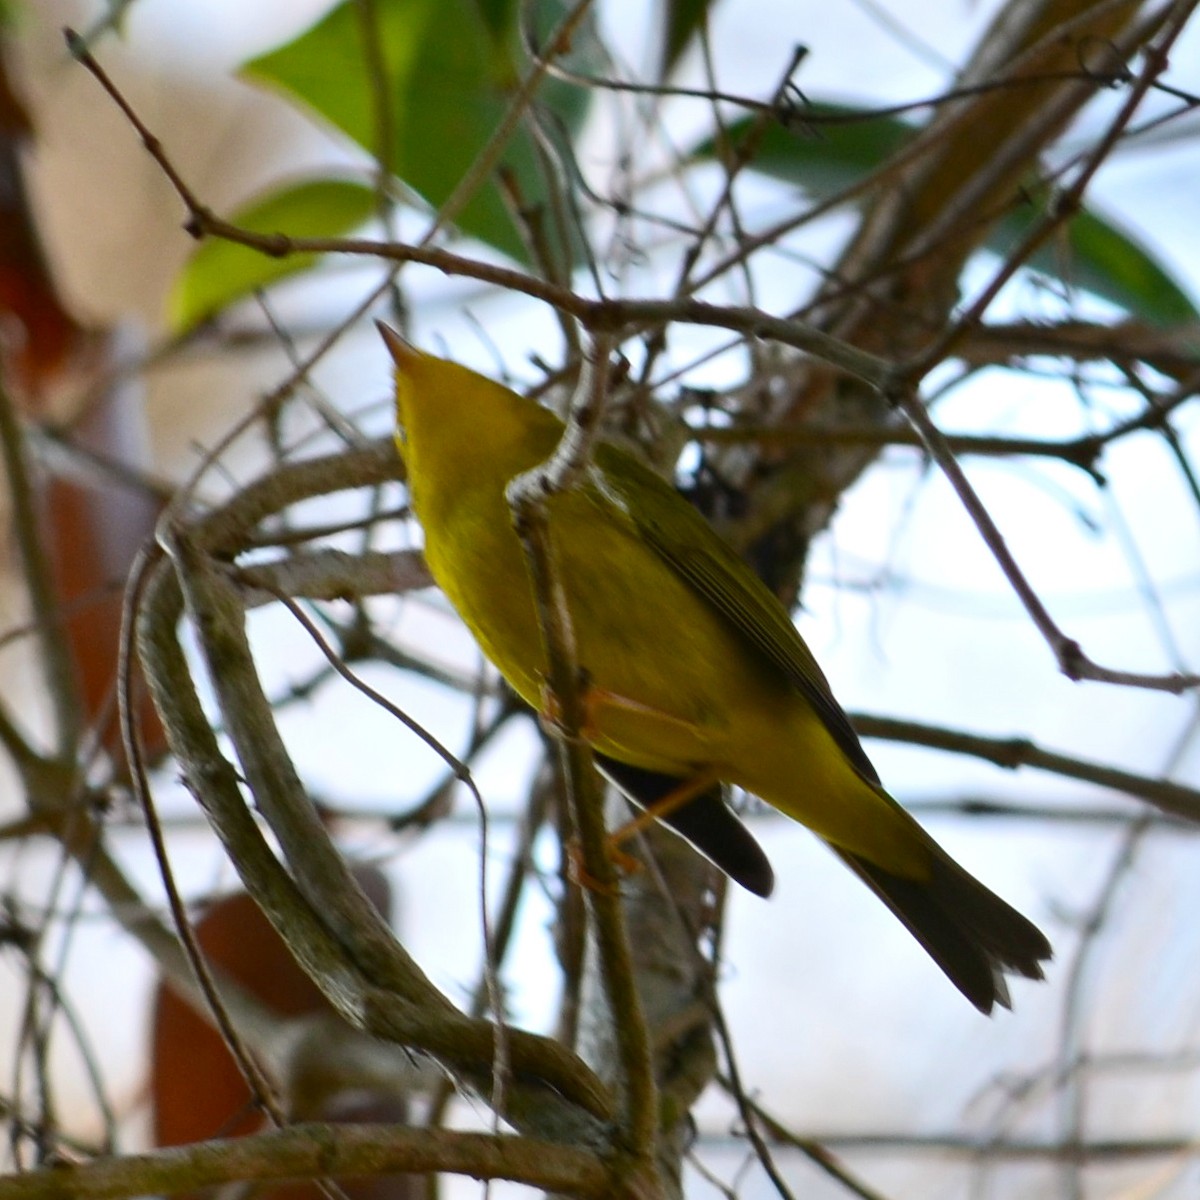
(974,936)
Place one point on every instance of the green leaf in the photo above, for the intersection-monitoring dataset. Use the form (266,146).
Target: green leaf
(681,19)
(450,68)
(220,273)
(834,148)
(841,145)
(1097,256)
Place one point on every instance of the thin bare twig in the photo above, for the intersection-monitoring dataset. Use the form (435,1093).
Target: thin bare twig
(1015,753)
(36,571)
(1072,660)
(257,1082)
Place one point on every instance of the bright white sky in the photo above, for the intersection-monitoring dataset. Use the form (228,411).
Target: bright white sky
(879,1040)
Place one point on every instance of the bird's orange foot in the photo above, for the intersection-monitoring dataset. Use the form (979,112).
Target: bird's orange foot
(578,874)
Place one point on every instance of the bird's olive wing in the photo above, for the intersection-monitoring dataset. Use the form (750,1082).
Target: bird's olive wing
(685,540)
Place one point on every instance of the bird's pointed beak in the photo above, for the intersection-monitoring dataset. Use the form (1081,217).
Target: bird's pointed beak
(403,353)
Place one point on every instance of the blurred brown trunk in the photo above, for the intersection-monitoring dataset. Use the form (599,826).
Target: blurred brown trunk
(91,529)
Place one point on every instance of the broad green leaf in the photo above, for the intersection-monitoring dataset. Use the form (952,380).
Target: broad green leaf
(1097,256)
(451,67)
(221,273)
(840,145)
(824,149)
(681,19)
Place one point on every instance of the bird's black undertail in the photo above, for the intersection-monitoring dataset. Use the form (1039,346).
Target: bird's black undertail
(974,936)
(705,821)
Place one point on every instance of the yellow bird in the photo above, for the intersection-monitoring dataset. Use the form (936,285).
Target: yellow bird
(696,674)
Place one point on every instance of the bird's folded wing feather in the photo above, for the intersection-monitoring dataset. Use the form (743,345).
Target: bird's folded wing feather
(689,545)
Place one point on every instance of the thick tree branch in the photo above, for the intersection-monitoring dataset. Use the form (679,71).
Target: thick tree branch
(325,1151)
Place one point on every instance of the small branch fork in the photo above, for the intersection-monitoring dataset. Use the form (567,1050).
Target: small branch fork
(1072,660)
(595,314)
